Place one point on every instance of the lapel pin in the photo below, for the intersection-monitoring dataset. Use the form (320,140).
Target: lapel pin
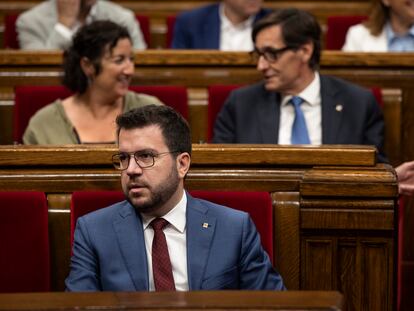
(205,225)
(339,107)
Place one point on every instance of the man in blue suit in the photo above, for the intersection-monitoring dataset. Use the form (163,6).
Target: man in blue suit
(203,246)
(225,26)
(331,110)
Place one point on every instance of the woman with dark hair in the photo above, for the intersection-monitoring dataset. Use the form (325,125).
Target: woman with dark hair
(389,28)
(98,68)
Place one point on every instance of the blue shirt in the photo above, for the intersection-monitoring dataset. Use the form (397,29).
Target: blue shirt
(399,43)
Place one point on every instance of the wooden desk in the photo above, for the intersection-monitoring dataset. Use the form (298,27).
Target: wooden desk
(334,207)
(175,301)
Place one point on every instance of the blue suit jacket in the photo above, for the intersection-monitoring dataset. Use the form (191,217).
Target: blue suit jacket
(200,28)
(251,116)
(109,251)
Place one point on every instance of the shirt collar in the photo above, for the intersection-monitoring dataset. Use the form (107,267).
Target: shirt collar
(227,24)
(176,217)
(310,94)
(391,35)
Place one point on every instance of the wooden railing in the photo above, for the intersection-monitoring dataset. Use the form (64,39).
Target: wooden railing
(175,301)
(334,207)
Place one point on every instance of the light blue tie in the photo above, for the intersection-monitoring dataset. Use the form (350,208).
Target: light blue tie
(300,134)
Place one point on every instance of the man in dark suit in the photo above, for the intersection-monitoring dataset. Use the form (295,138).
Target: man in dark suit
(331,110)
(225,26)
(161,238)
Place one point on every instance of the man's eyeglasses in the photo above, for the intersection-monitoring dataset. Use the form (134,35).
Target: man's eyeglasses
(270,54)
(144,159)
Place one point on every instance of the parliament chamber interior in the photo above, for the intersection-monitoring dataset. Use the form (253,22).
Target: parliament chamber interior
(330,216)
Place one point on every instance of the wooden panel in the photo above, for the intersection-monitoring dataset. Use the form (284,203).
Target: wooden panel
(207,300)
(349,280)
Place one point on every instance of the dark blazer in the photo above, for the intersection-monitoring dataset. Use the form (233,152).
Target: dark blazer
(109,251)
(251,116)
(200,28)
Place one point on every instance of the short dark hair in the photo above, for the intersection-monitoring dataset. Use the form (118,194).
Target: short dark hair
(298,27)
(174,127)
(90,41)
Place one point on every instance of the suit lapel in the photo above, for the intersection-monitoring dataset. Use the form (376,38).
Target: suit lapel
(268,114)
(210,36)
(200,231)
(332,111)
(130,234)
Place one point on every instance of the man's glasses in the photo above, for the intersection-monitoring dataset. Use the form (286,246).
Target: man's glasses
(270,54)
(144,159)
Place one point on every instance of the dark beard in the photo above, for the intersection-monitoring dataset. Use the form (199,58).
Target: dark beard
(160,195)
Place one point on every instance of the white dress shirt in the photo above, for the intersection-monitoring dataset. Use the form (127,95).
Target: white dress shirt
(312,111)
(175,234)
(235,37)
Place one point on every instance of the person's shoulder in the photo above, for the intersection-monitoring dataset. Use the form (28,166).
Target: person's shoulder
(39,11)
(198,14)
(341,84)
(247,91)
(358,29)
(217,210)
(135,100)
(109,213)
(47,114)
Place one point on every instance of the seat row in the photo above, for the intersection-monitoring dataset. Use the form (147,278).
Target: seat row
(29,99)
(337,27)
(24,233)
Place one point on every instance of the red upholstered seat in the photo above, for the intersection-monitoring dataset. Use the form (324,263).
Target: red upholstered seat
(24,241)
(84,202)
(170,30)
(337,27)
(171,95)
(144,24)
(10,34)
(217,95)
(29,99)
(257,204)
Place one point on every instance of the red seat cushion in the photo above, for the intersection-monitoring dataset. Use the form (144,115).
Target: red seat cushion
(257,204)
(144,24)
(217,95)
(173,96)
(24,241)
(10,34)
(29,99)
(337,27)
(170,30)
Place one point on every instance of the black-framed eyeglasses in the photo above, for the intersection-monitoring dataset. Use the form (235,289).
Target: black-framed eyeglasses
(144,159)
(270,54)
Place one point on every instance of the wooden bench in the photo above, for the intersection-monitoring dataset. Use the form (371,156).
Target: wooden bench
(158,10)
(175,301)
(334,207)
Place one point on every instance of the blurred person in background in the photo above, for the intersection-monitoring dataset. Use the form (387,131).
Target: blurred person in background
(98,68)
(51,24)
(389,28)
(226,26)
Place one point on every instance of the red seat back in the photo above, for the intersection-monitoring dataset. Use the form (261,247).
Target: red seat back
(173,96)
(24,241)
(170,30)
(257,204)
(337,27)
(217,95)
(144,24)
(10,34)
(28,100)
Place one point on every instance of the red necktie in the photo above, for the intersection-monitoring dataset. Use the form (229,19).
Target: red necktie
(161,264)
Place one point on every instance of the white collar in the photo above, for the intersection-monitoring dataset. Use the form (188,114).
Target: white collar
(310,94)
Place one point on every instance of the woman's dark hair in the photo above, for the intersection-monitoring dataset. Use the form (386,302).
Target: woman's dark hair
(298,28)
(90,41)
